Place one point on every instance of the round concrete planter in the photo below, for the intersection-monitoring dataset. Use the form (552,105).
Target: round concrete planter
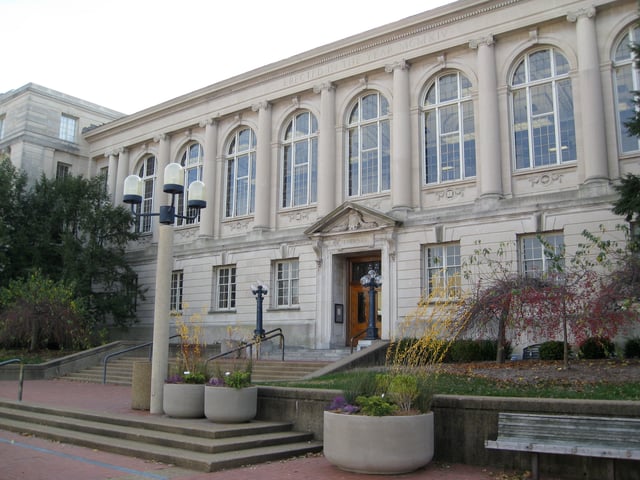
(378,445)
(230,405)
(183,400)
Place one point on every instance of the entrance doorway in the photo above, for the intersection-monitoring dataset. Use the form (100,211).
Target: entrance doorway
(359,298)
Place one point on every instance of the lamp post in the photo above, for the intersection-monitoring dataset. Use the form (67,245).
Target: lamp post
(174,185)
(259,290)
(371,280)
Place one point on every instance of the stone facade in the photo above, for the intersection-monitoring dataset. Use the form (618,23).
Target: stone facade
(31,133)
(479,121)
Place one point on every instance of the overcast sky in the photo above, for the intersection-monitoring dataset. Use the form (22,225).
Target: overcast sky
(128,55)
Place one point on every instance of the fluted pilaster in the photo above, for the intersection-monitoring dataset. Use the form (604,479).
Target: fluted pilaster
(263,167)
(208,216)
(326,149)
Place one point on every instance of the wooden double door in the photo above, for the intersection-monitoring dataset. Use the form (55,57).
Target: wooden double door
(359,301)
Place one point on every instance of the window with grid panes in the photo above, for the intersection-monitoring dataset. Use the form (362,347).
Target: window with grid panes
(369,144)
(287,278)
(241,174)
(300,161)
(68,127)
(224,297)
(627,84)
(177,283)
(542,106)
(449,129)
(539,254)
(146,172)
(192,161)
(443,270)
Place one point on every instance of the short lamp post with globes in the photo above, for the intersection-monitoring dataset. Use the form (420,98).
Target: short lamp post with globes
(372,281)
(133,192)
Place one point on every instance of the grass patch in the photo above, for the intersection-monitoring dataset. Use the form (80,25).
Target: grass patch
(35,357)
(454,384)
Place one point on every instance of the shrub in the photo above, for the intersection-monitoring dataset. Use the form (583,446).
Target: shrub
(597,347)
(462,351)
(632,348)
(552,350)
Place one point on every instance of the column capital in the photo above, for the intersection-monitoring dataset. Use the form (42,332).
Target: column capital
(265,105)
(399,65)
(588,12)
(122,150)
(160,136)
(325,86)
(487,41)
(208,121)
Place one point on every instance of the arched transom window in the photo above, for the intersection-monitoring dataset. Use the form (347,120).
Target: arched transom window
(300,161)
(147,172)
(449,130)
(191,160)
(626,84)
(369,146)
(543,119)
(241,174)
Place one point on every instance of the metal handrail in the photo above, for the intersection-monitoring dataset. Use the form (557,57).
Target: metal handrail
(108,357)
(267,336)
(20,375)
(356,336)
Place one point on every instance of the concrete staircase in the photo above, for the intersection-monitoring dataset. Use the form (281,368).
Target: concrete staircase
(193,444)
(269,368)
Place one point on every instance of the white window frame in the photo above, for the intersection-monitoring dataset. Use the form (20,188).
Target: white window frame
(68,128)
(177,291)
(299,168)
(63,170)
(147,171)
(237,153)
(529,93)
(442,270)
(286,275)
(224,288)
(626,81)
(364,153)
(449,145)
(535,260)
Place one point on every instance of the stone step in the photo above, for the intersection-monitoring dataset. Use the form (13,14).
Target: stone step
(195,444)
(120,370)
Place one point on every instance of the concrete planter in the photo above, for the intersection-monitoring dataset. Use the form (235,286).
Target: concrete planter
(378,445)
(183,400)
(230,405)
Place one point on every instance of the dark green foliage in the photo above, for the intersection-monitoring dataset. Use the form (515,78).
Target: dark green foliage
(552,350)
(632,348)
(597,347)
(629,202)
(463,351)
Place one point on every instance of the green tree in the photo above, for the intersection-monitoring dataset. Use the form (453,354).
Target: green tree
(79,237)
(12,197)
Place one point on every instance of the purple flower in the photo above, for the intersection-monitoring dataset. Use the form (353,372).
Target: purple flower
(215,382)
(340,404)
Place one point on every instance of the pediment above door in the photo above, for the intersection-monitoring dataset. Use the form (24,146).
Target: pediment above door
(351,218)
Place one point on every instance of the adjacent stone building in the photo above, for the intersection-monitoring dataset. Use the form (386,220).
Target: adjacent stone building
(399,149)
(41,131)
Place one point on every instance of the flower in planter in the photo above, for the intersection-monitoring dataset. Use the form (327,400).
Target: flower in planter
(240,378)
(190,368)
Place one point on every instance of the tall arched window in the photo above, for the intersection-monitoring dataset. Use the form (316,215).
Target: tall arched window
(300,161)
(147,172)
(626,83)
(369,146)
(449,130)
(191,161)
(241,174)
(543,119)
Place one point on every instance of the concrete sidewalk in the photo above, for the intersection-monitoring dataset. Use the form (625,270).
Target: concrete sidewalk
(29,458)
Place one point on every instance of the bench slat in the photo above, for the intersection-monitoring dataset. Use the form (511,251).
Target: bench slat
(558,448)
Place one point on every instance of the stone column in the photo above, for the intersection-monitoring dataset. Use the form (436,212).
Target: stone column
(326,149)
(209,216)
(489,159)
(112,175)
(592,115)
(263,167)
(401,178)
(123,171)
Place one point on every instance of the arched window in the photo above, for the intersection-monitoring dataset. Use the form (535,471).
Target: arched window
(147,172)
(191,161)
(449,130)
(300,161)
(369,146)
(626,83)
(543,119)
(241,174)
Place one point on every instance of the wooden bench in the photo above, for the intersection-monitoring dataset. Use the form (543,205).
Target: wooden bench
(604,437)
